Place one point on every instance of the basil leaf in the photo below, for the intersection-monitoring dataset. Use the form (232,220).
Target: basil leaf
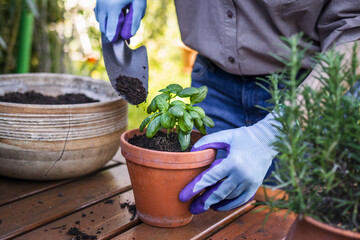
(164,90)
(185,123)
(145,123)
(166,120)
(199,110)
(154,126)
(187,92)
(172,123)
(184,139)
(178,102)
(152,107)
(200,126)
(174,88)
(197,98)
(208,121)
(161,103)
(194,115)
(176,111)
(165,96)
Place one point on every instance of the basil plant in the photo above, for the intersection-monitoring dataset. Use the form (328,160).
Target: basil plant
(169,112)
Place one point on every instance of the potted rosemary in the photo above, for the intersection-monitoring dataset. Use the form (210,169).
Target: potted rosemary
(159,162)
(319,146)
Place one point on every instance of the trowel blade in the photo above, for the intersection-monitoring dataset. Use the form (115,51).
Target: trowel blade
(128,69)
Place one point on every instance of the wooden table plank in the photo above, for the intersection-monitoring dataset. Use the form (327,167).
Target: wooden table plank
(200,227)
(251,226)
(15,189)
(103,220)
(29,213)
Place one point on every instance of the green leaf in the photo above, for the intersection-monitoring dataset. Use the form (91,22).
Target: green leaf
(184,139)
(199,110)
(187,92)
(154,126)
(194,115)
(161,103)
(164,90)
(145,122)
(197,98)
(173,122)
(177,111)
(166,120)
(199,125)
(185,122)
(208,121)
(174,88)
(178,102)
(152,107)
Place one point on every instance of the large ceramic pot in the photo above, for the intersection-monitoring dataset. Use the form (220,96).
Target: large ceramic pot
(47,142)
(309,228)
(158,177)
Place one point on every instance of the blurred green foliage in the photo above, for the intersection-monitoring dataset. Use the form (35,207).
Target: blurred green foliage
(66,39)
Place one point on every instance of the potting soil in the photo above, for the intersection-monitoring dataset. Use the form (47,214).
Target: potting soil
(160,142)
(33,97)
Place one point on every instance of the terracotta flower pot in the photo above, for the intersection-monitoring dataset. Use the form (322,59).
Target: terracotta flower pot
(158,177)
(309,228)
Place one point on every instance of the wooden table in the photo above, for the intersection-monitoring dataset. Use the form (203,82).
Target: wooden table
(96,206)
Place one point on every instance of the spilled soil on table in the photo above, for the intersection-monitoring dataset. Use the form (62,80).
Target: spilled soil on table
(79,235)
(131,208)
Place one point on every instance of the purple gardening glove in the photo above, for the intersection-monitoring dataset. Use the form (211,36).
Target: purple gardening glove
(119,17)
(234,180)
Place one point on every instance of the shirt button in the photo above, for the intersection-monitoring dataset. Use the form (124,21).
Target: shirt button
(229,14)
(231,59)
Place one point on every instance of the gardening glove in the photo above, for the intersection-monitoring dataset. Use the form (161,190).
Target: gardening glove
(119,17)
(233,181)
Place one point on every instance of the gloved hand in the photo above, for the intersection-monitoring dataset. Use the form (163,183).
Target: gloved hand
(234,180)
(114,19)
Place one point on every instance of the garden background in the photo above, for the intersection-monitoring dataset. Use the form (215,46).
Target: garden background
(66,39)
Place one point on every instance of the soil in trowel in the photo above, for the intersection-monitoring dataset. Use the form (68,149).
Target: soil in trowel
(131,89)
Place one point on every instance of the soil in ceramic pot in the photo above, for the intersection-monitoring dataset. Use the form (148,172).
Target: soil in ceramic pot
(160,142)
(132,89)
(38,98)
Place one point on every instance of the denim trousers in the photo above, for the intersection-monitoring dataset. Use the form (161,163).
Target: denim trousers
(232,100)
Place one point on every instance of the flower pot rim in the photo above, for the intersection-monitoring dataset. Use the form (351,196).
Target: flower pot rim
(327,227)
(162,159)
(160,152)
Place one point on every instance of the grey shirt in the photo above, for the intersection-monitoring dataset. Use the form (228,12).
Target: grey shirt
(239,35)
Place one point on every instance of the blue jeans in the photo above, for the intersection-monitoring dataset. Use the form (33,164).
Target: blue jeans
(232,99)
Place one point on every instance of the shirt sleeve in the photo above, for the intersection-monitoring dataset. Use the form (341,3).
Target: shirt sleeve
(339,23)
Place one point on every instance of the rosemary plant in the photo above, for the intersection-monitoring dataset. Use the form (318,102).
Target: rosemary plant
(319,144)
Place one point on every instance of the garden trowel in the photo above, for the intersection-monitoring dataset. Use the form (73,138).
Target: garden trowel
(127,69)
